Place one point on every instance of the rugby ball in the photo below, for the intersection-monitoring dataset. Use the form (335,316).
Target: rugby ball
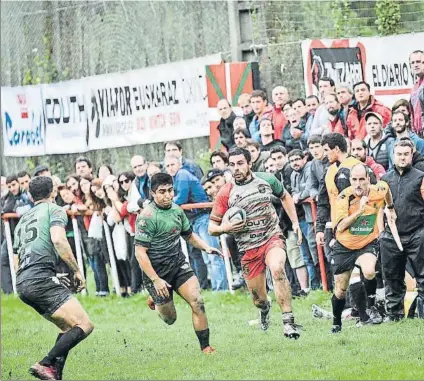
(235,214)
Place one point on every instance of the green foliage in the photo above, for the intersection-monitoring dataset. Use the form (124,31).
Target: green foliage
(342,14)
(42,68)
(130,342)
(203,159)
(388,17)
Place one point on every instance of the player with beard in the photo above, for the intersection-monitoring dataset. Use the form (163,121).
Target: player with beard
(357,209)
(259,239)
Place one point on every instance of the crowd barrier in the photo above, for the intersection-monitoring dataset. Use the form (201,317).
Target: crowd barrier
(114,272)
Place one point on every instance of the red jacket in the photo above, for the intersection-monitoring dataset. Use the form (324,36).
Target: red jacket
(130,216)
(354,129)
(279,120)
(374,106)
(378,169)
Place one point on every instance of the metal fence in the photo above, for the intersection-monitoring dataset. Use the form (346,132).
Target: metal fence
(49,41)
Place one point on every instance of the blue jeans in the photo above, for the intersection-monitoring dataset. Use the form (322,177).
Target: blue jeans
(218,274)
(309,255)
(6,276)
(100,274)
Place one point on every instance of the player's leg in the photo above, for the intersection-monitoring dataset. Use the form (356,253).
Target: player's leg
(275,260)
(257,288)
(338,301)
(164,306)
(75,326)
(190,292)
(367,262)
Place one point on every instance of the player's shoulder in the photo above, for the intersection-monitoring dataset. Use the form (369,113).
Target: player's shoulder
(267,177)
(148,212)
(381,187)
(225,190)
(345,193)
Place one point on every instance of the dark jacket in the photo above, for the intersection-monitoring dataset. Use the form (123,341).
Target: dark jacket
(259,164)
(226,130)
(317,173)
(418,161)
(275,143)
(407,199)
(248,118)
(8,204)
(192,167)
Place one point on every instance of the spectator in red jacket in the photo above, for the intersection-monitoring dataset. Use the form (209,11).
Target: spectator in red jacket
(365,103)
(359,150)
(280,96)
(350,128)
(416,60)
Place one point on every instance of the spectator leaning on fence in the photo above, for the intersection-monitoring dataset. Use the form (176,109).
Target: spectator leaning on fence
(318,165)
(416,60)
(219,160)
(175,148)
(139,188)
(188,190)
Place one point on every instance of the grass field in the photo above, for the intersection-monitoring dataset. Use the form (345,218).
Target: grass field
(130,342)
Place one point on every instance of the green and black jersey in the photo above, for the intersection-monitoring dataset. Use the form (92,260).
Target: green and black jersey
(159,230)
(33,244)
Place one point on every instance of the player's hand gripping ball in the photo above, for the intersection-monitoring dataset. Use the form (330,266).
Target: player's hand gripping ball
(235,218)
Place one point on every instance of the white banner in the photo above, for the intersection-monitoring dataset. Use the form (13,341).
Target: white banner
(66,117)
(22,121)
(383,62)
(155,104)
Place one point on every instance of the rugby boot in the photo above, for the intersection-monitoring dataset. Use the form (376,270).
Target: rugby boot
(336,328)
(43,372)
(264,318)
(374,315)
(208,350)
(320,313)
(151,303)
(290,328)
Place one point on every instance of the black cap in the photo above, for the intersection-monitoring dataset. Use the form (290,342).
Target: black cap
(213,173)
(40,168)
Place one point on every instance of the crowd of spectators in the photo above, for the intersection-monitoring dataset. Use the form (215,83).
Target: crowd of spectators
(283,136)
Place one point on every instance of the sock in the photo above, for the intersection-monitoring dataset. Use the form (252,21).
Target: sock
(359,298)
(203,337)
(265,307)
(338,307)
(63,345)
(60,361)
(370,289)
(379,277)
(288,317)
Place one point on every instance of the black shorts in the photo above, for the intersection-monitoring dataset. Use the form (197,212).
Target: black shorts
(44,295)
(343,259)
(176,277)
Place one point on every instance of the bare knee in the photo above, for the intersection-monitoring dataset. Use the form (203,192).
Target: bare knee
(261,304)
(169,319)
(198,305)
(340,293)
(369,274)
(87,327)
(278,274)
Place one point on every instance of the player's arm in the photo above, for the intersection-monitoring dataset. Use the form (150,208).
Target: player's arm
(290,208)
(61,244)
(343,219)
(217,225)
(198,243)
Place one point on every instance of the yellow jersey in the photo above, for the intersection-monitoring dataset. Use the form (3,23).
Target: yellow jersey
(364,229)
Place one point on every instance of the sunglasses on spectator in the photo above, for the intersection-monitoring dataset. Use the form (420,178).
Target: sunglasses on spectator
(126,181)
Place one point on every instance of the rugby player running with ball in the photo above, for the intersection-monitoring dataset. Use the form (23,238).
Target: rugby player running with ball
(259,238)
